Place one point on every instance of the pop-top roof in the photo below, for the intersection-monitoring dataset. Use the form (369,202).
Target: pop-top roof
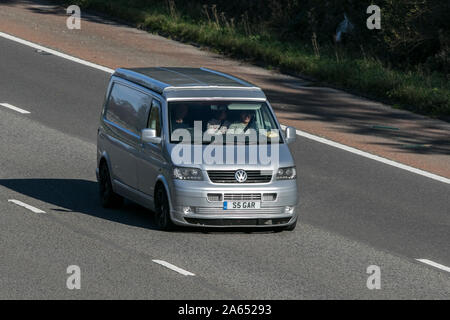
(182,82)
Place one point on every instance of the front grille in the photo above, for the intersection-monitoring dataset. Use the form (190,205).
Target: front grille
(242,196)
(227,176)
(238,222)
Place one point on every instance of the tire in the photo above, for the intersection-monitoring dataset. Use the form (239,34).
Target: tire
(108,197)
(162,210)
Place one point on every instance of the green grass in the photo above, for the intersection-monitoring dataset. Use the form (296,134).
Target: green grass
(416,91)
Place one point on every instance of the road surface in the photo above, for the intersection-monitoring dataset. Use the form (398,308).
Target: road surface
(354,212)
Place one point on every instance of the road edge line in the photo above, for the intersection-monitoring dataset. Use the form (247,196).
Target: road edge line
(55,53)
(371,156)
(299,132)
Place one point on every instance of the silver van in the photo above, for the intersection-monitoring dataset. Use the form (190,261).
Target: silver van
(198,148)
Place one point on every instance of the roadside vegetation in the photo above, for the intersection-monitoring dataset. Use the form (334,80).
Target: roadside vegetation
(406,63)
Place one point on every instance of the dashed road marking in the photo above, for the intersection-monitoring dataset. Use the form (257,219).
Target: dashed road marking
(174,268)
(10,106)
(434,264)
(26,206)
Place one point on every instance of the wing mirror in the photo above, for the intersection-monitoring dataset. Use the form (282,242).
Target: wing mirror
(291,134)
(149,136)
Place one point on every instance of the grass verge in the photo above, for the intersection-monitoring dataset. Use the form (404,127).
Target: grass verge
(423,93)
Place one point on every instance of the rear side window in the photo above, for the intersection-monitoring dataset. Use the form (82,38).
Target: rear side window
(127,107)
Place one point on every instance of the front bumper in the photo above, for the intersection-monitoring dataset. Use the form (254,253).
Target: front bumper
(279,212)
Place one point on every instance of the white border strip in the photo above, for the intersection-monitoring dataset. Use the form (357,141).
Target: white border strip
(10,106)
(26,206)
(434,264)
(174,268)
(372,156)
(299,132)
(56,53)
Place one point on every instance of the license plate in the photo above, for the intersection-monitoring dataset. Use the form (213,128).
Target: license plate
(241,205)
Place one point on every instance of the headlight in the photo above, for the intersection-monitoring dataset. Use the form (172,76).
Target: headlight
(187,173)
(286,173)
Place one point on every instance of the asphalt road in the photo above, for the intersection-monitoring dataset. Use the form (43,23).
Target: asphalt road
(354,212)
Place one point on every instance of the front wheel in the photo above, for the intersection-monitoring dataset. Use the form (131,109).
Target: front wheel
(162,210)
(108,197)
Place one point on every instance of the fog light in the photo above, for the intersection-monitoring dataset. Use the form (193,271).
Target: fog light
(187,210)
(288,209)
(269,196)
(214,196)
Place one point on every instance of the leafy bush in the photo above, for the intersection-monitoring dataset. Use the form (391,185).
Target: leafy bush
(406,62)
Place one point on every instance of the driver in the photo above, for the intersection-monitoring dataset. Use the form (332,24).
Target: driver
(179,121)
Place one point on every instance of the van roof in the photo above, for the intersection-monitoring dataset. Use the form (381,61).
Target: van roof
(195,83)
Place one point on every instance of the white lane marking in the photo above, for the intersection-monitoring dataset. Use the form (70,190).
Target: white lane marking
(56,53)
(26,206)
(174,268)
(371,156)
(299,132)
(10,106)
(434,264)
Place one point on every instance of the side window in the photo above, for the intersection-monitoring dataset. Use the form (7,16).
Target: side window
(154,120)
(127,107)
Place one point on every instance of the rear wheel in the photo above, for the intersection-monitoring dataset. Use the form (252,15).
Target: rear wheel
(108,197)
(162,210)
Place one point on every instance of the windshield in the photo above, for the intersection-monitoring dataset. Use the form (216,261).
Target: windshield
(222,122)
